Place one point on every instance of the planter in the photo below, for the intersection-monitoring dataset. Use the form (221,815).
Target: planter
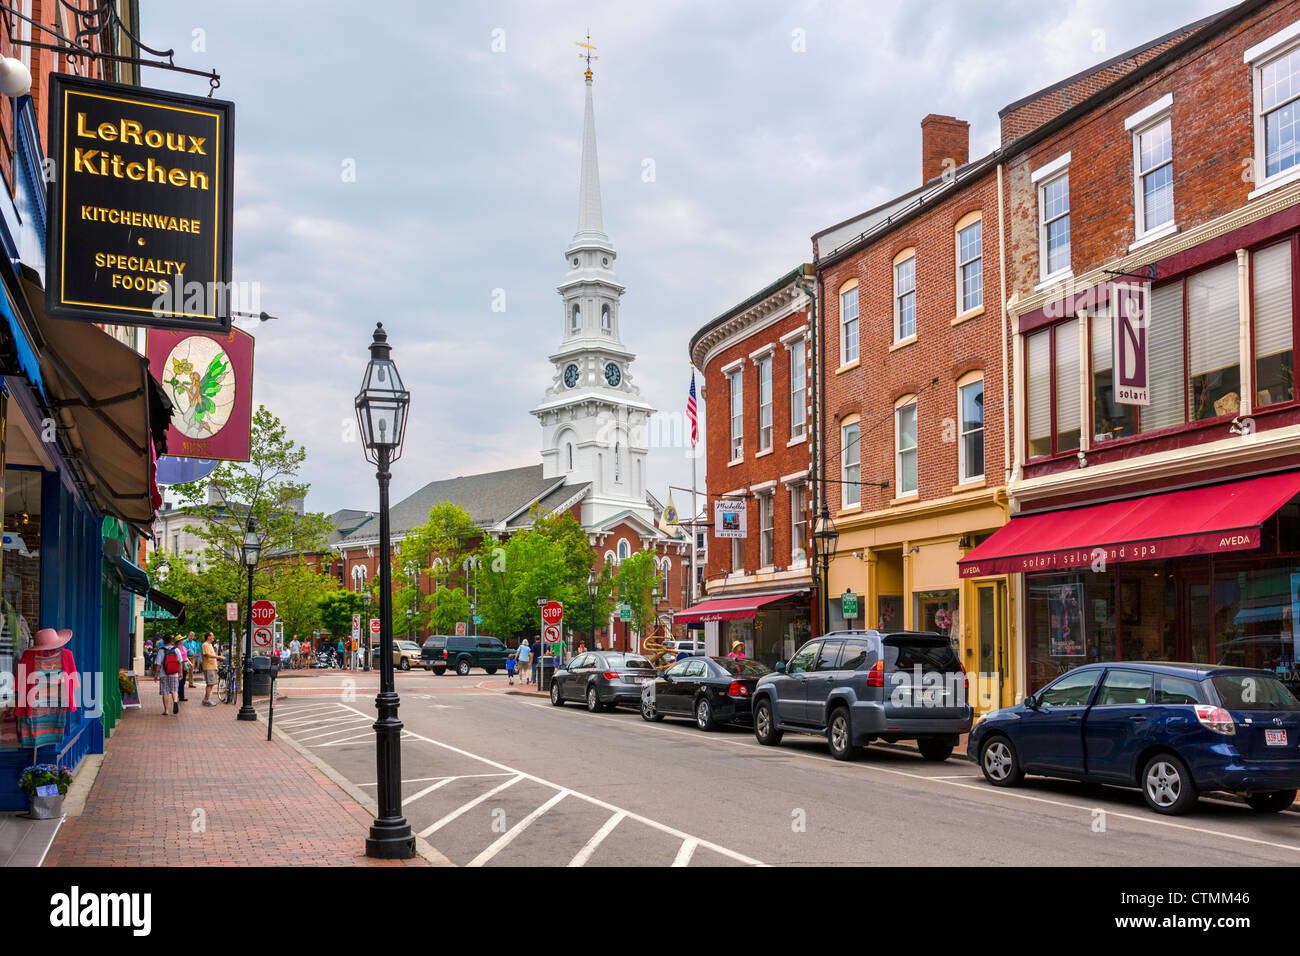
(45,808)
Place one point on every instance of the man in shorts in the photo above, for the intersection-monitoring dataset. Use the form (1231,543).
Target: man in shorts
(210,659)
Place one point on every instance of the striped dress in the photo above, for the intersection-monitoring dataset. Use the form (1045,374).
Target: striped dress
(42,724)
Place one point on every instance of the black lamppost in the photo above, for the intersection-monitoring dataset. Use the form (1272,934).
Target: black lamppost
(593,588)
(826,537)
(381,407)
(252,547)
(365,599)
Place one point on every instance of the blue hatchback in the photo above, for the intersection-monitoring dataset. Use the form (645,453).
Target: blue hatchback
(1172,730)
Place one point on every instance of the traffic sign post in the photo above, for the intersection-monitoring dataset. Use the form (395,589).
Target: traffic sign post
(232,611)
(849,604)
(263,614)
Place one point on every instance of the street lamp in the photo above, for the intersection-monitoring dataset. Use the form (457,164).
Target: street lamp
(381,407)
(826,537)
(365,600)
(593,588)
(251,548)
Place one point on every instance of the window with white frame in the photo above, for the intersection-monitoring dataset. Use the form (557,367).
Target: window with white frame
(575,322)
(970,265)
(767,529)
(798,523)
(905,450)
(737,415)
(1153,175)
(850,464)
(737,554)
(765,403)
(798,389)
(624,550)
(849,325)
(970,443)
(905,297)
(606,323)
(1053,182)
(568,448)
(1276,73)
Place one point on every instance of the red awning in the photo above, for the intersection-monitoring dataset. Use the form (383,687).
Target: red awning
(727,609)
(1196,521)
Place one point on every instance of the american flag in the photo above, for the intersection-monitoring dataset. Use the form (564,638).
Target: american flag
(692,414)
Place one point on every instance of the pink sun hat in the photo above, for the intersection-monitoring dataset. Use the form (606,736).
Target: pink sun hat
(47,638)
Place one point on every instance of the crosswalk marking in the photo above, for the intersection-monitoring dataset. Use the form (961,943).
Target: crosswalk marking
(505,839)
(434,828)
(685,852)
(585,853)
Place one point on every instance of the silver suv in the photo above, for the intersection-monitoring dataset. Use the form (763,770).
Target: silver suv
(858,686)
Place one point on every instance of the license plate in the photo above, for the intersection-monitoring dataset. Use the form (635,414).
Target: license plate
(643,680)
(1275,738)
(925,697)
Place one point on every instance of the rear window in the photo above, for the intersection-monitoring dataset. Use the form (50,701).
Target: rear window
(743,668)
(1179,690)
(628,660)
(905,653)
(1253,692)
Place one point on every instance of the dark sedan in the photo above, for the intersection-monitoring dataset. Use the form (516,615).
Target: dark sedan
(709,690)
(603,679)
(1172,730)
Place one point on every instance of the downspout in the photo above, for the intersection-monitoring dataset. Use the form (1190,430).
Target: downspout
(816,434)
(1004,326)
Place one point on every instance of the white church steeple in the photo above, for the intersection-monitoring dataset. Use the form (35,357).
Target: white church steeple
(594,424)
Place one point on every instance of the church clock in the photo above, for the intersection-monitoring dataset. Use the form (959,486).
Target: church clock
(571,376)
(613,375)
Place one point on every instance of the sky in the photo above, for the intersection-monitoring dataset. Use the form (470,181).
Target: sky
(416,163)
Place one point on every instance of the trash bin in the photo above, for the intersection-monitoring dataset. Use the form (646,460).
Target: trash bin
(547,674)
(259,683)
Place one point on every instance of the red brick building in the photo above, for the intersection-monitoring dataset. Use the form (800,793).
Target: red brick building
(756,364)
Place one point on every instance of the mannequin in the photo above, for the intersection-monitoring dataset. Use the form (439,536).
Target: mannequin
(47,678)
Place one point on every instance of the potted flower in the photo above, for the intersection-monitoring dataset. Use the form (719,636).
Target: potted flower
(45,784)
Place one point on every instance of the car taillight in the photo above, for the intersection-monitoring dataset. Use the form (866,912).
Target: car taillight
(965,679)
(612,675)
(737,689)
(444,652)
(1216,719)
(876,676)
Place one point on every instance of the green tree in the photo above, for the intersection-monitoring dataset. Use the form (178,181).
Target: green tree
(579,618)
(336,609)
(637,578)
(297,590)
(445,607)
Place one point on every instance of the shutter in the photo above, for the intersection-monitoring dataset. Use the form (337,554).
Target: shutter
(1067,383)
(1271,275)
(1165,359)
(1213,342)
(1103,356)
(1039,373)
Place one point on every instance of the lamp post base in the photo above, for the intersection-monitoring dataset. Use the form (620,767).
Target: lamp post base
(390,841)
(246,713)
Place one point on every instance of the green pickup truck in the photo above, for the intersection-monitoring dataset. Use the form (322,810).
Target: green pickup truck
(443,651)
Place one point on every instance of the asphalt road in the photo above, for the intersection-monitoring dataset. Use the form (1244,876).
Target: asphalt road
(491,778)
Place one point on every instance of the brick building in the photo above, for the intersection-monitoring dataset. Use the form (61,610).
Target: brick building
(1153,238)
(756,363)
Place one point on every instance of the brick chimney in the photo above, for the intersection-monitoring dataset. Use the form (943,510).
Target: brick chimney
(945,145)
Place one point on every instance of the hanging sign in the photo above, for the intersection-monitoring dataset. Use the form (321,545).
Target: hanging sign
(209,379)
(729,518)
(1129,308)
(140,218)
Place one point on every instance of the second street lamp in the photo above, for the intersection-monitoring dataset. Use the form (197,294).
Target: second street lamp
(365,599)
(826,536)
(593,588)
(381,407)
(251,548)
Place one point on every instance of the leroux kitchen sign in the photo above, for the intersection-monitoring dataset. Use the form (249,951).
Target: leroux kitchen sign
(140,206)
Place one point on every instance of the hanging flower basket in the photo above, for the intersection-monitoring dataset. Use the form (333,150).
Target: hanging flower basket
(45,784)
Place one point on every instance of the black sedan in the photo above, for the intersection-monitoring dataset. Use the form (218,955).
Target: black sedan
(710,690)
(603,679)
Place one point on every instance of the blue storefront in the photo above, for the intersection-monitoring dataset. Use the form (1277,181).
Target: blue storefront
(76,446)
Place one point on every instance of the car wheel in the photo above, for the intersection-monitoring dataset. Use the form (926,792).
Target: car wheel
(439,670)
(765,728)
(934,748)
(839,734)
(1271,801)
(405,665)
(462,668)
(593,700)
(999,762)
(557,699)
(490,670)
(704,715)
(1167,785)
(648,709)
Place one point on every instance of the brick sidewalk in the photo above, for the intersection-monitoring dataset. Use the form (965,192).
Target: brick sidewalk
(265,804)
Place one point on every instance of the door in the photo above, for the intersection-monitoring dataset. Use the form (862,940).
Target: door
(820,680)
(1049,737)
(1118,725)
(791,692)
(991,685)
(575,686)
(670,692)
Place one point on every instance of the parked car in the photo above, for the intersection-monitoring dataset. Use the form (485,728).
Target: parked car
(711,690)
(693,648)
(461,653)
(855,687)
(604,679)
(1171,730)
(406,654)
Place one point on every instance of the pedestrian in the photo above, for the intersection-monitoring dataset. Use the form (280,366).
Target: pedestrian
(170,667)
(510,669)
(178,642)
(191,656)
(148,658)
(210,657)
(295,653)
(524,655)
(737,650)
(343,661)
(582,647)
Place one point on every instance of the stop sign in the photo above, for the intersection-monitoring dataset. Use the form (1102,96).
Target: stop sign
(552,612)
(263,613)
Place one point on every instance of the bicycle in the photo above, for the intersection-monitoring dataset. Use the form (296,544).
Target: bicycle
(227,684)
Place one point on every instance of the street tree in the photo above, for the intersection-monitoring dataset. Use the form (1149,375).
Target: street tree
(637,578)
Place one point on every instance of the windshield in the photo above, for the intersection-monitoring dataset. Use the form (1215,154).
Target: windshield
(744,668)
(1253,692)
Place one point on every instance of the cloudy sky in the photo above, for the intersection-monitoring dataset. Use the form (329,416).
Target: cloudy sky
(762,122)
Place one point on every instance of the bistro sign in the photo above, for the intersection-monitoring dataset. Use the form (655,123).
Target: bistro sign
(140,206)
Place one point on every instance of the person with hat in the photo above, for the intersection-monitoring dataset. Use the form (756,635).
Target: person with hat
(49,676)
(737,650)
(170,665)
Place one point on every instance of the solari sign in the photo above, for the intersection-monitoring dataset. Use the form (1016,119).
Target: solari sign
(140,206)
(1130,309)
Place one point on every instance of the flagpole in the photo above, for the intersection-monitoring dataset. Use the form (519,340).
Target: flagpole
(695,512)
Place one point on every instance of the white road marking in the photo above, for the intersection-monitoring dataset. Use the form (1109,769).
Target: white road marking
(685,853)
(985,789)
(368,735)
(427,779)
(597,839)
(351,726)
(429,789)
(435,827)
(506,838)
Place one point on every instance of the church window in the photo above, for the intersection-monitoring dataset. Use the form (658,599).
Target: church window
(624,549)
(575,324)
(606,325)
(617,474)
(569,450)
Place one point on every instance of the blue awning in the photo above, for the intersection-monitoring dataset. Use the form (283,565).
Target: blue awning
(133,578)
(26,357)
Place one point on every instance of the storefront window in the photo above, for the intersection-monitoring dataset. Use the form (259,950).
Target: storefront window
(1274,356)
(937,611)
(20,567)
(1257,618)
(1070,620)
(1110,419)
(1148,607)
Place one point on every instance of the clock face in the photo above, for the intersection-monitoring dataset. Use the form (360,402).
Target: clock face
(613,375)
(571,376)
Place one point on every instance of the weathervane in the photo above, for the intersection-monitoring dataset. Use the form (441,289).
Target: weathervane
(588,55)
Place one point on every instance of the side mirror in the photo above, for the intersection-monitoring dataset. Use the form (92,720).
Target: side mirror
(1031,702)
(780,667)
